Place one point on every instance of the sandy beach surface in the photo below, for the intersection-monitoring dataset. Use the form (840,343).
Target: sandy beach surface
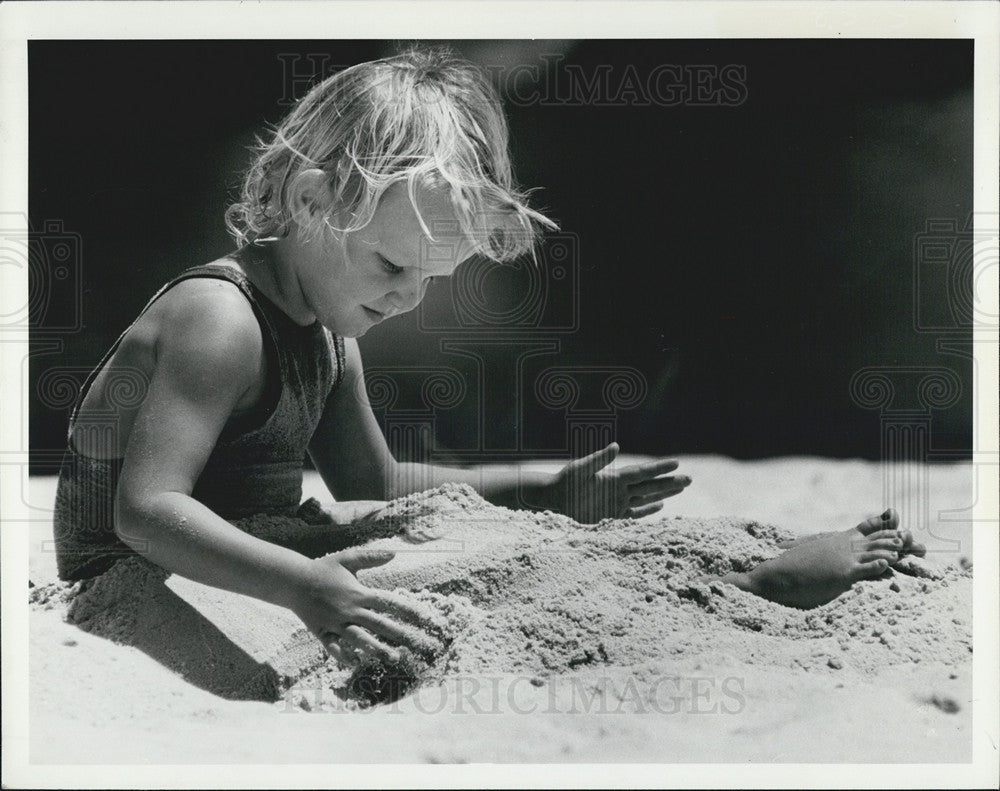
(555,642)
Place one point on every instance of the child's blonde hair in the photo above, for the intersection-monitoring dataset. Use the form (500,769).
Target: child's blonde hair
(424,117)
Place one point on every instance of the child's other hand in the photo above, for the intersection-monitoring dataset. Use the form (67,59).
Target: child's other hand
(351,619)
(588,491)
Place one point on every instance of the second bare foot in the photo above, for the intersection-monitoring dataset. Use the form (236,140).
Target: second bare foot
(816,571)
(870,525)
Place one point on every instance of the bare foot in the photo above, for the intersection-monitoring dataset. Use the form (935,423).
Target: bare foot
(875,523)
(818,570)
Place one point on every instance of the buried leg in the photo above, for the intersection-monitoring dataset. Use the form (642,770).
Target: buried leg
(816,571)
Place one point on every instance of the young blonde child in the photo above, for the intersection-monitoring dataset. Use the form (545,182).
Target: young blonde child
(251,361)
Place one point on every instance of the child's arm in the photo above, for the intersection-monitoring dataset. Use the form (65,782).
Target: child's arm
(351,454)
(584,489)
(206,356)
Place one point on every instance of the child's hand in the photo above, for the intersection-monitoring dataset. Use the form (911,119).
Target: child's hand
(351,619)
(587,492)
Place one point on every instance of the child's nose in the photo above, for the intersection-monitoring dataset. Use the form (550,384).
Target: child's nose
(408,296)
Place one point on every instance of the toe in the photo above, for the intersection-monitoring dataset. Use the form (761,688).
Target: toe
(917,549)
(888,556)
(869,570)
(878,540)
(910,546)
(880,535)
(887,521)
(889,544)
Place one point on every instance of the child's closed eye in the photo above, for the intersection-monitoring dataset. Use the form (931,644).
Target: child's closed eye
(390,267)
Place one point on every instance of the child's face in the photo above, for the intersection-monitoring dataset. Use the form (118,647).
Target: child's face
(388,264)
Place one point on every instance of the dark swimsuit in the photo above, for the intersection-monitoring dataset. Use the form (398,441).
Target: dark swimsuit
(256,466)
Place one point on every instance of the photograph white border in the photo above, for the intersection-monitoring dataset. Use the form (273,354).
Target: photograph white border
(21,22)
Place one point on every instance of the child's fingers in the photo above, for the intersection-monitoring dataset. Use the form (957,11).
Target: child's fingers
(332,646)
(396,606)
(355,639)
(644,510)
(646,499)
(658,485)
(355,559)
(393,633)
(654,495)
(647,470)
(596,461)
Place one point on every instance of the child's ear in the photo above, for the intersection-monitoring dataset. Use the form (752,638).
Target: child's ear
(308,194)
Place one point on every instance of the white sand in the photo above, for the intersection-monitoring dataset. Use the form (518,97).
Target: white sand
(565,643)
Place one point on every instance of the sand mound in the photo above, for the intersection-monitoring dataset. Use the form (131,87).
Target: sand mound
(539,595)
(561,597)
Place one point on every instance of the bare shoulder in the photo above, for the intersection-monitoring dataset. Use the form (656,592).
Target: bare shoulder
(198,343)
(204,327)
(208,312)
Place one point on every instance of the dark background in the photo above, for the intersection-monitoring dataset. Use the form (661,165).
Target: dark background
(747,260)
